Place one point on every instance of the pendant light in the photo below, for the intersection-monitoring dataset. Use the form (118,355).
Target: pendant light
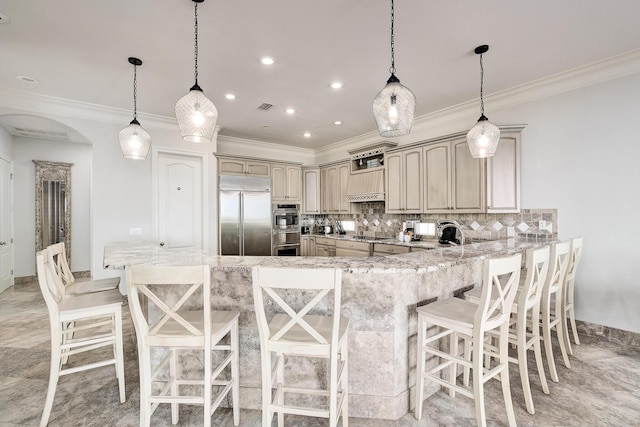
(483,138)
(395,104)
(196,114)
(134,140)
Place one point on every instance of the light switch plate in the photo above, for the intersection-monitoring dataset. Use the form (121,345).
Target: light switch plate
(135,231)
(510,232)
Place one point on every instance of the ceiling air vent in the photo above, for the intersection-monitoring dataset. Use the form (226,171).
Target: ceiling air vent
(265,106)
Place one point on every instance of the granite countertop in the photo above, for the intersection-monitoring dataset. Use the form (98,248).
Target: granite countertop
(426,244)
(118,255)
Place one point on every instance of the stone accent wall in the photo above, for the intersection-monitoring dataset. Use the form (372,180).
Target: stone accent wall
(373,221)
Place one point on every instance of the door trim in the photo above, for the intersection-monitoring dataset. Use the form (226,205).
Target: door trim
(11,224)
(202,157)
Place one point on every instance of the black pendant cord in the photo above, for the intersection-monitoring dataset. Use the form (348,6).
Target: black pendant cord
(481,87)
(196,43)
(135,92)
(393,60)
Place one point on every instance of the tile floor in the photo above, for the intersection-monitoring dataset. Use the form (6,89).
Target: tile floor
(601,389)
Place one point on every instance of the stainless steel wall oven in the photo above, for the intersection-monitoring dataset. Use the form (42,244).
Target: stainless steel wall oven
(286,230)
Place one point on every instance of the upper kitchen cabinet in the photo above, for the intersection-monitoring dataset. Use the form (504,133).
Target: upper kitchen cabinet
(453,180)
(243,166)
(456,182)
(286,183)
(310,190)
(404,183)
(343,184)
(503,175)
(334,181)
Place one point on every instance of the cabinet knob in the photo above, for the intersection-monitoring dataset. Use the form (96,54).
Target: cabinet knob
(3,243)
(161,243)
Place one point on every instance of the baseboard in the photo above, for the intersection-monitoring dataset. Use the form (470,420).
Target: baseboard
(30,279)
(607,333)
(25,279)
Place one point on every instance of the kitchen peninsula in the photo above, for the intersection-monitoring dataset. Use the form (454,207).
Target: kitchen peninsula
(379,295)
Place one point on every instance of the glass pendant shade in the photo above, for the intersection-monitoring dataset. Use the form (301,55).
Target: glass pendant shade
(483,138)
(393,109)
(134,141)
(197,116)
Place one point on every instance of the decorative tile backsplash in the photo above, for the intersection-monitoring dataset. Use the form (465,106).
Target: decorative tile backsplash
(373,221)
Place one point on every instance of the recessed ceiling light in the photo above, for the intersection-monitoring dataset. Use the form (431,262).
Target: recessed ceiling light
(230,96)
(28,79)
(337,122)
(336,85)
(4,19)
(267,60)
(290,111)
(307,135)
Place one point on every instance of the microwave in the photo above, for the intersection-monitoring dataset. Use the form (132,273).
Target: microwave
(286,216)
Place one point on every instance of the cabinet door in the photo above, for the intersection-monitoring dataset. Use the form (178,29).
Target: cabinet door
(324,184)
(278,182)
(412,193)
(393,180)
(294,183)
(503,176)
(322,250)
(230,167)
(468,179)
(255,168)
(351,252)
(312,246)
(331,194)
(311,193)
(437,178)
(342,202)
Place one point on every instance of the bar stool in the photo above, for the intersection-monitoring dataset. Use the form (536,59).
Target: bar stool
(97,318)
(295,333)
(526,306)
(73,286)
(456,319)
(553,292)
(569,313)
(179,318)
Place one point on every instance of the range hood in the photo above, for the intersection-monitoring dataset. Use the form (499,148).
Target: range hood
(366,182)
(366,186)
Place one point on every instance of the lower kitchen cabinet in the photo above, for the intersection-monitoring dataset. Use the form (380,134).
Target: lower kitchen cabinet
(384,250)
(353,249)
(325,246)
(308,245)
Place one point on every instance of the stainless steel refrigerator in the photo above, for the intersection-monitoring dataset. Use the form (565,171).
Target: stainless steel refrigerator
(245,215)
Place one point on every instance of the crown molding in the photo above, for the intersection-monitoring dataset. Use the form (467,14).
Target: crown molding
(30,103)
(225,145)
(608,69)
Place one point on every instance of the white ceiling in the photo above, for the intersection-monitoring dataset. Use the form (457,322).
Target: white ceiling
(78,50)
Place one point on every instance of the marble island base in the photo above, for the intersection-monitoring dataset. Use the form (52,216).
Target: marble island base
(379,295)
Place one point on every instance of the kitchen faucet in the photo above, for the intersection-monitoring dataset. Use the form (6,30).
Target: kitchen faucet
(457,227)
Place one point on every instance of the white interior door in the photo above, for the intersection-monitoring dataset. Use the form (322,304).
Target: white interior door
(180,200)
(6,242)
